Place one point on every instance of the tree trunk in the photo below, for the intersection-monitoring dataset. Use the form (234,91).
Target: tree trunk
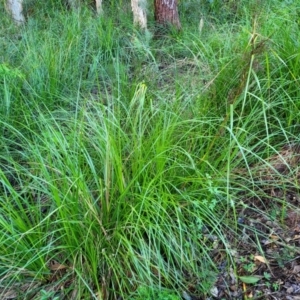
(139,13)
(166,12)
(98,6)
(16,9)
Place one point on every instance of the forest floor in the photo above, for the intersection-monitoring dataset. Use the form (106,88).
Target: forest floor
(270,271)
(266,253)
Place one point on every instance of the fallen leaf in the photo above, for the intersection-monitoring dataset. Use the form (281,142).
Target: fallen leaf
(214,291)
(260,258)
(56,266)
(296,269)
(250,279)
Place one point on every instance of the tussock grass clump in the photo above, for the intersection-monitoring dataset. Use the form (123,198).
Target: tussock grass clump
(106,194)
(125,161)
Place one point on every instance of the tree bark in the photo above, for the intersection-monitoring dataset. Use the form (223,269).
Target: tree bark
(98,6)
(16,9)
(166,12)
(139,13)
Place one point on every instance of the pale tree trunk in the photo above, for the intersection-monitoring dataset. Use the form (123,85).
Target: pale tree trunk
(16,9)
(98,6)
(166,12)
(139,13)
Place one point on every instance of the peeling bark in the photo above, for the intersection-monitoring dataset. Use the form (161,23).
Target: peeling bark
(139,13)
(166,12)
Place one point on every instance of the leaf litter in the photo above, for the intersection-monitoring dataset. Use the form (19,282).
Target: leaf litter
(266,252)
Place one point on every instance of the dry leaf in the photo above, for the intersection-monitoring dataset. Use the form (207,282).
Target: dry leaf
(260,258)
(56,266)
(296,269)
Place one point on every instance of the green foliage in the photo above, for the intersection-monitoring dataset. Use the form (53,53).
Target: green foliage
(147,293)
(6,71)
(119,153)
(48,295)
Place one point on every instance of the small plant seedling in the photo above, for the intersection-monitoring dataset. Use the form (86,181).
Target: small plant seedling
(248,266)
(267,275)
(275,286)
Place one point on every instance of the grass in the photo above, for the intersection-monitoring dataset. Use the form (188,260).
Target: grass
(119,152)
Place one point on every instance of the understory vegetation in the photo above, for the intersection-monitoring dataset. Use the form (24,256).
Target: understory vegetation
(127,159)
